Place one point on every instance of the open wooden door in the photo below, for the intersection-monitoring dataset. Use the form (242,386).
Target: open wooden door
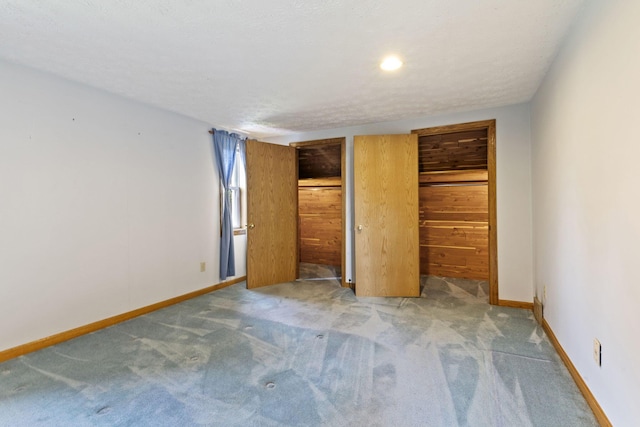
(387,248)
(272,212)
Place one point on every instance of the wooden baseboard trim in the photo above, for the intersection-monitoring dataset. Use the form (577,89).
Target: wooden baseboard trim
(588,396)
(515,304)
(105,323)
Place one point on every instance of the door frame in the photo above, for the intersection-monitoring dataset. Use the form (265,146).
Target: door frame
(343,172)
(490,126)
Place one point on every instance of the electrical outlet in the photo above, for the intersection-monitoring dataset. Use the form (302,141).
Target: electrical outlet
(203,267)
(597,351)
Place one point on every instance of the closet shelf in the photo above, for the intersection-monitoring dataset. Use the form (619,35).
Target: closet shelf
(470,175)
(320,182)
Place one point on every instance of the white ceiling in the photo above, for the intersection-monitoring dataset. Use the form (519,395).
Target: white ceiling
(269,67)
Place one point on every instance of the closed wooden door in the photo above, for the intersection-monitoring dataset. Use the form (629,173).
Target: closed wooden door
(272,213)
(387,256)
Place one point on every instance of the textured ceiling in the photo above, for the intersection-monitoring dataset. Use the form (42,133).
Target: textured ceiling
(269,67)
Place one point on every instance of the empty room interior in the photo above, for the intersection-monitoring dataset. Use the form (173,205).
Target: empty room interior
(277,213)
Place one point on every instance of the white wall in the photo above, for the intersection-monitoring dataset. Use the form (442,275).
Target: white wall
(586,185)
(513,185)
(106,205)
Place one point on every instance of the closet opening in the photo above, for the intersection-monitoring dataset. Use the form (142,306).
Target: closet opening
(321,172)
(457,205)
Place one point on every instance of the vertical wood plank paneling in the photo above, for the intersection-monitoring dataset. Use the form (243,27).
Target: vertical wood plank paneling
(272,199)
(386,209)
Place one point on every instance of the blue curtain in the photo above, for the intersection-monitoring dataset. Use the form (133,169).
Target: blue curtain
(224,147)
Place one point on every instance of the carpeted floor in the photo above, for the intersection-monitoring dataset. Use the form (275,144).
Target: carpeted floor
(318,271)
(307,353)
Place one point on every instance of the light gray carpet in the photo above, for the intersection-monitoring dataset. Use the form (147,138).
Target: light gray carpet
(303,354)
(319,271)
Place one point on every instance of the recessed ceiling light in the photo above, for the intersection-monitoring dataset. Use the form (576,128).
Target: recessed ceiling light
(391,63)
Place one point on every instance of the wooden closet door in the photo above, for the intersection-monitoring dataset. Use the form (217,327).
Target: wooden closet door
(387,248)
(272,211)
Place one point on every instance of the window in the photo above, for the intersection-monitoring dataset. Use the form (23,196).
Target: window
(236,212)
(237,194)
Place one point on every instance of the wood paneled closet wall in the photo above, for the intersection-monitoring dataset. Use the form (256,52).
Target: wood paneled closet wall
(454,203)
(320,201)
